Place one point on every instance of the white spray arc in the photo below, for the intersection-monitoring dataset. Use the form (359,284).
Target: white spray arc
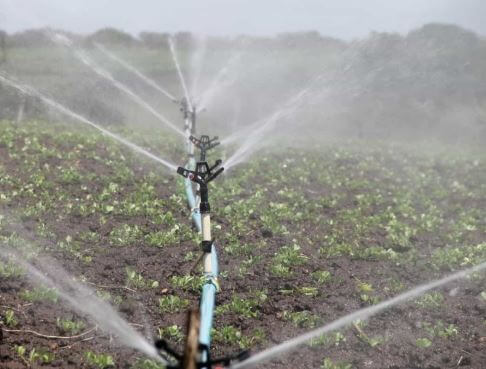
(135,71)
(219,82)
(53,104)
(84,300)
(85,59)
(361,314)
(262,127)
(197,62)
(179,71)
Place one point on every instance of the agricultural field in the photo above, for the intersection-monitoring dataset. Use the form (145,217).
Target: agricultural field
(305,235)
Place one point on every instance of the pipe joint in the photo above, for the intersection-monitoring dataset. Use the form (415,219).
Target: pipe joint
(207,246)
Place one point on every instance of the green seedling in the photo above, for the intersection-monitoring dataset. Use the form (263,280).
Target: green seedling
(367,293)
(40,294)
(329,364)
(34,356)
(302,319)
(10,270)
(172,304)
(423,342)
(9,319)
(332,339)
(147,364)
(230,335)
(70,326)
(173,333)
(136,280)
(285,259)
(431,300)
(100,361)
(441,330)
(125,235)
(321,276)
(187,282)
(246,307)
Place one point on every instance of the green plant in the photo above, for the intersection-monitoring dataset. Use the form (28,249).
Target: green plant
(172,332)
(172,304)
(321,276)
(10,270)
(367,293)
(307,291)
(187,282)
(147,364)
(329,364)
(136,280)
(285,259)
(246,307)
(332,339)
(125,235)
(423,342)
(70,326)
(100,361)
(10,319)
(35,355)
(440,330)
(303,319)
(227,334)
(431,300)
(40,294)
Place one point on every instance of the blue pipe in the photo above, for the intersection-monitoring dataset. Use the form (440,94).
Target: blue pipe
(210,286)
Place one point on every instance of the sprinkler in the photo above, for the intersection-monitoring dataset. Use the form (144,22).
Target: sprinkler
(188,111)
(197,352)
(204,144)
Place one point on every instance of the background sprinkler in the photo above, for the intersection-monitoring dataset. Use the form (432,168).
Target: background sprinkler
(188,111)
(204,144)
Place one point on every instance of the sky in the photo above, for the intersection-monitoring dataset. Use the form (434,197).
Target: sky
(345,19)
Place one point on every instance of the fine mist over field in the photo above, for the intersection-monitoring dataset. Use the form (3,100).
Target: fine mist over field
(426,85)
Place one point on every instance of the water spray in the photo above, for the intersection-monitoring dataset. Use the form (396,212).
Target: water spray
(82,299)
(178,68)
(85,59)
(362,314)
(135,71)
(29,91)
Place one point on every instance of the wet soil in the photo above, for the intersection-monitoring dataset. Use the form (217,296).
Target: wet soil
(399,327)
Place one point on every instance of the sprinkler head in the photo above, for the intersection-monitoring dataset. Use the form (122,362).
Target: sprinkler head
(203,173)
(188,110)
(204,144)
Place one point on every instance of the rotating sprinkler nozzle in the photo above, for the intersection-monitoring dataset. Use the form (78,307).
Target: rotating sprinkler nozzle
(202,175)
(204,144)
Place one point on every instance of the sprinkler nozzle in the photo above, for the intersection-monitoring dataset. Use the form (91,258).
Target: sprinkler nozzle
(203,173)
(204,144)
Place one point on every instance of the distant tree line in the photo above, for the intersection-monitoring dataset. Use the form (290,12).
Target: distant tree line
(38,38)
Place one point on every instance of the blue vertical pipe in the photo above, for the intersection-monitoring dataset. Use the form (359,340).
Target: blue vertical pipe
(210,286)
